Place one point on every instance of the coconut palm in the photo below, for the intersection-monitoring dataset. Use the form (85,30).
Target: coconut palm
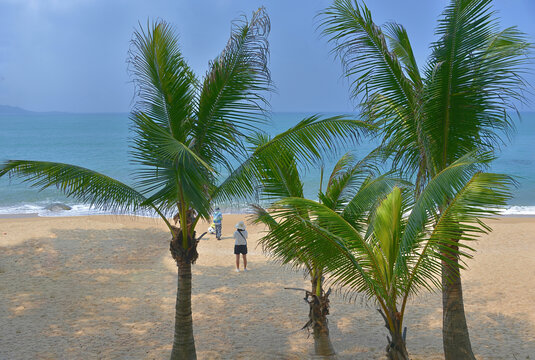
(350,191)
(430,119)
(401,250)
(188,134)
(282,179)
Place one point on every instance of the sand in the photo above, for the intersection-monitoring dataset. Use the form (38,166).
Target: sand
(104,287)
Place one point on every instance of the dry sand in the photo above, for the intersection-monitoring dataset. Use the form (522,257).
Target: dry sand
(104,287)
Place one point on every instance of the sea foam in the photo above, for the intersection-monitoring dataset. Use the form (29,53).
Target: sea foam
(84,209)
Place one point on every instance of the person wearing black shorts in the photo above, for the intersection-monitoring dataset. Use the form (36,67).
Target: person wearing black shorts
(240,245)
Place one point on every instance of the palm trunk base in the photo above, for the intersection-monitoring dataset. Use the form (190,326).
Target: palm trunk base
(322,344)
(397,347)
(396,350)
(455,336)
(319,309)
(184,342)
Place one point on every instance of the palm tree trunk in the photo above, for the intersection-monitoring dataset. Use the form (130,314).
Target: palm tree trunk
(322,343)
(319,309)
(183,343)
(397,347)
(455,336)
(317,318)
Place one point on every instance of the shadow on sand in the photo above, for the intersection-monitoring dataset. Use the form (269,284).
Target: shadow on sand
(110,294)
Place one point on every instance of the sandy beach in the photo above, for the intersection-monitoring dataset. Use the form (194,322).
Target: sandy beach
(104,287)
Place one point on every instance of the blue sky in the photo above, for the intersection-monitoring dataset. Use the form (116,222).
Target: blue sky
(70,55)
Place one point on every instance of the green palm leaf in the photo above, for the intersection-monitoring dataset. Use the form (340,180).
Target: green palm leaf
(166,86)
(314,136)
(280,179)
(300,239)
(472,77)
(304,143)
(387,230)
(363,49)
(398,39)
(387,94)
(359,210)
(442,187)
(232,98)
(88,186)
(155,144)
(458,224)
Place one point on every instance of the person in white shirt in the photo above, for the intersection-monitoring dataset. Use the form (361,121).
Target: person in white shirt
(218,222)
(240,245)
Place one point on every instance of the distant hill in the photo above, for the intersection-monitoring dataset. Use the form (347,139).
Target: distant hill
(13,110)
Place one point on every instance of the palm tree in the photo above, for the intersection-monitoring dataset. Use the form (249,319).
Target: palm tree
(187,135)
(350,190)
(400,252)
(430,119)
(282,179)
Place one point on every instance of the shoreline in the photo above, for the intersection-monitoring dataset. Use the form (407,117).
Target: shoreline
(61,216)
(18,216)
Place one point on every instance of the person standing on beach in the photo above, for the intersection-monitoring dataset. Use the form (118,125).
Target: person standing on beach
(218,219)
(240,245)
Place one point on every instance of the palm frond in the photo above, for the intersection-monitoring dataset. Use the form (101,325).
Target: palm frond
(167,166)
(458,223)
(87,186)
(304,143)
(362,47)
(360,208)
(387,230)
(332,245)
(154,144)
(314,136)
(473,76)
(442,187)
(165,85)
(399,41)
(344,181)
(449,208)
(280,178)
(233,94)
(387,95)
(262,216)
(340,166)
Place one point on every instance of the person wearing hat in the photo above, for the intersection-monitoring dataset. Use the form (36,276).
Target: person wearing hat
(240,245)
(217,220)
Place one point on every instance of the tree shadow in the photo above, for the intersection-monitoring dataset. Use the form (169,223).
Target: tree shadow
(111,294)
(493,335)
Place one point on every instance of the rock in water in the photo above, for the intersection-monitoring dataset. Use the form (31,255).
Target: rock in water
(58,207)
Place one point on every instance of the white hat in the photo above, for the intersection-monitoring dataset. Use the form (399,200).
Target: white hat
(240,225)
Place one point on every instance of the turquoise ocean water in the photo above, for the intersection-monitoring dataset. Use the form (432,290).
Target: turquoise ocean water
(100,142)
